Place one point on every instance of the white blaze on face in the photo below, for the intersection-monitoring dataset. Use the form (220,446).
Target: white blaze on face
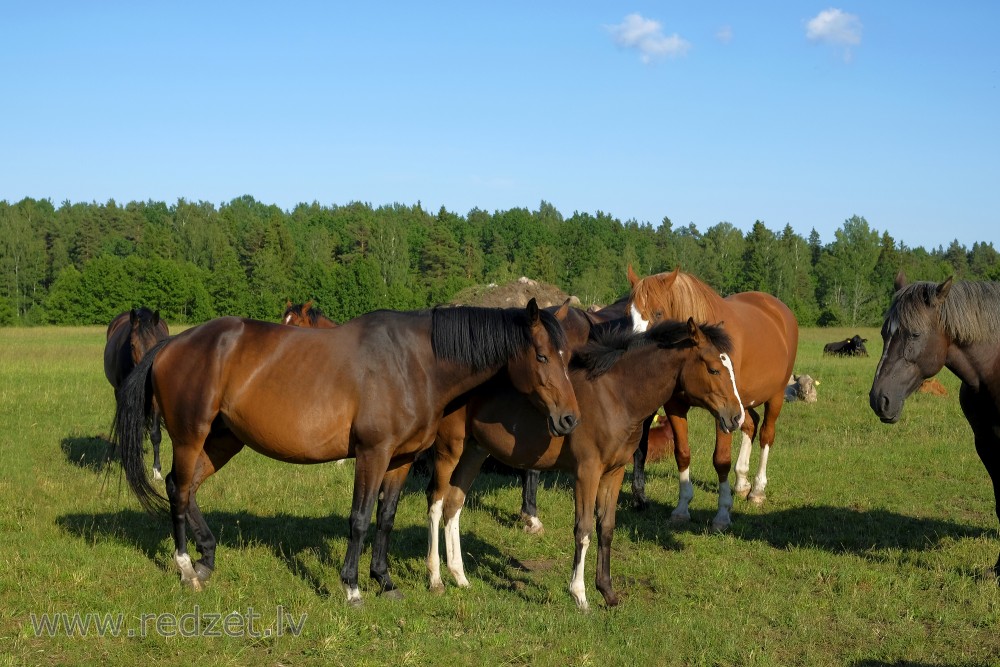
(288,318)
(728,363)
(638,323)
(885,351)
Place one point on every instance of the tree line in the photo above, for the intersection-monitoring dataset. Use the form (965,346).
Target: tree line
(82,263)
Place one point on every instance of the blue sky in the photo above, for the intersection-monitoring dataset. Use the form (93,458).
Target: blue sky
(787,112)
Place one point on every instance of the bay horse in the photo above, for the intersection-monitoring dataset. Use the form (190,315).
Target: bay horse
(306,315)
(130,335)
(765,338)
(620,378)
(953,325)
(374,389)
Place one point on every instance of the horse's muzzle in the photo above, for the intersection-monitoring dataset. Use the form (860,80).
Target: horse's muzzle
(887,410)
(564,425)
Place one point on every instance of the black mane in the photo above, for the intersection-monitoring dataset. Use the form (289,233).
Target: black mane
(487,337)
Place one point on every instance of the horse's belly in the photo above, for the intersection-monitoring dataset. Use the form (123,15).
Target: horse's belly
(293,440)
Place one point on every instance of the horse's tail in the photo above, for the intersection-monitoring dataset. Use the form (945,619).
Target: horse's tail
(133,417)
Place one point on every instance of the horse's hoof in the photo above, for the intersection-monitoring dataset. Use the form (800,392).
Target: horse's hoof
(356,603)
(437,588)
(156,475)
(720,526)
(757,498)
(194,583)
(680,517)
(533,526)
(203,571)
(640,503)
(742,492)
(392,594)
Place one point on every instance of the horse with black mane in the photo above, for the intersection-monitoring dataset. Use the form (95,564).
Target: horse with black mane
(620,379)
(374,389)
(130,336)
(306,315)
(953,325)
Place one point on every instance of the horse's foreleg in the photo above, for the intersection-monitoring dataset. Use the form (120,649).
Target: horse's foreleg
(771,411)
(587,481)
(748,431)
(988,448)
(529,498)
(471,461)
(607,504)
(722,460)
(369,469)
(639,499)
(392,488)
(682,454)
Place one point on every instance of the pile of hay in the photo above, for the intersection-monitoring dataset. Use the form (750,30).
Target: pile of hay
(513,294)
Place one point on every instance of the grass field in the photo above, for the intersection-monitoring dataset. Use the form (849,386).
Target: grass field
(871,550)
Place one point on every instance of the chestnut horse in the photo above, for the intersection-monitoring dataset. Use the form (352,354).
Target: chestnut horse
(931,326)
(306,315)
(765,339)
(620,379)
(131,335)
(374,389)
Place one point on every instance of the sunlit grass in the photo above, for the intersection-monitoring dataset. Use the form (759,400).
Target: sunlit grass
(871,549)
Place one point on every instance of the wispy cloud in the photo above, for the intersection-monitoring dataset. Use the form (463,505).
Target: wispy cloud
(646,36)
(837,28)
(724,34)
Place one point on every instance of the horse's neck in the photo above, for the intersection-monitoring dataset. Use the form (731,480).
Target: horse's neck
(973,363)
(643,380)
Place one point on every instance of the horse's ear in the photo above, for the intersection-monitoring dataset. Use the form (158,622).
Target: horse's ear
(133,316)
(943,289)
(156,317)
(900,280)
(694,331)
(563,311)
(288,304)
(532,310)
(673,276)
(633,279)
(306,306)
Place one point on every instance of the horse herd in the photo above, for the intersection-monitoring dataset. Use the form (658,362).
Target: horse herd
(539,389)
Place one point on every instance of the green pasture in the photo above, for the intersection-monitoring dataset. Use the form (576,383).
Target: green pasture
(872,548)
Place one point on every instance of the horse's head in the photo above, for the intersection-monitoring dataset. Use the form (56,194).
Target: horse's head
(542,371)
(296,314)
(915,345)
(146,330)
(707,377)
(648,303)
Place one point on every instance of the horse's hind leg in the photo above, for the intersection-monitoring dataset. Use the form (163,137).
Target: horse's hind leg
(529,498)
(771,411)
(465,473)
(391,489)
(748,431)
(607,502)
(639,499)
(179,492)
(218,450)
(369,469)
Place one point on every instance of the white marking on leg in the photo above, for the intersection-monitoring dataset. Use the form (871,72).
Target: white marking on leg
(760,483)
(157,476)
(533,526)
(433,549)
(728,363)
(639,325)
(722,520)
(353,594)
(453,549)
(685,492)
(577,588)
(188,576)
(743,467)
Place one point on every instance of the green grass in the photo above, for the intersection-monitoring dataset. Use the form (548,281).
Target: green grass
(871,550)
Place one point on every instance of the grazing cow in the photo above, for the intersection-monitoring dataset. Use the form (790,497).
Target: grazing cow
(851,347)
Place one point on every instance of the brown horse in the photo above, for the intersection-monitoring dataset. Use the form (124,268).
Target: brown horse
(620,379)
(306,315)
(373,389)
(931,326)
(131,335)
(765,339)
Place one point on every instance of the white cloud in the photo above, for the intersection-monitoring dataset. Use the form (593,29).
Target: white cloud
(646,36)
(833,26)
(724,34)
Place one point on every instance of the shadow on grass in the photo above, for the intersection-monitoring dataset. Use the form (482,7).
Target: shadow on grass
(90,453)
(908,663)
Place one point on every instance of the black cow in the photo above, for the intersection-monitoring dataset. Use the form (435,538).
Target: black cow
(852,347)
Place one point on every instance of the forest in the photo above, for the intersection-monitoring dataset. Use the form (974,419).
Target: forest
(82,263)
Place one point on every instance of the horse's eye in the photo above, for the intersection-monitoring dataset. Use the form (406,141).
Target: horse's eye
(713,371)
(658,315)
(542,359)
(914,335)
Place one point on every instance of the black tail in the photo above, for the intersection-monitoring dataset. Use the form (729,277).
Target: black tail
(133,418)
